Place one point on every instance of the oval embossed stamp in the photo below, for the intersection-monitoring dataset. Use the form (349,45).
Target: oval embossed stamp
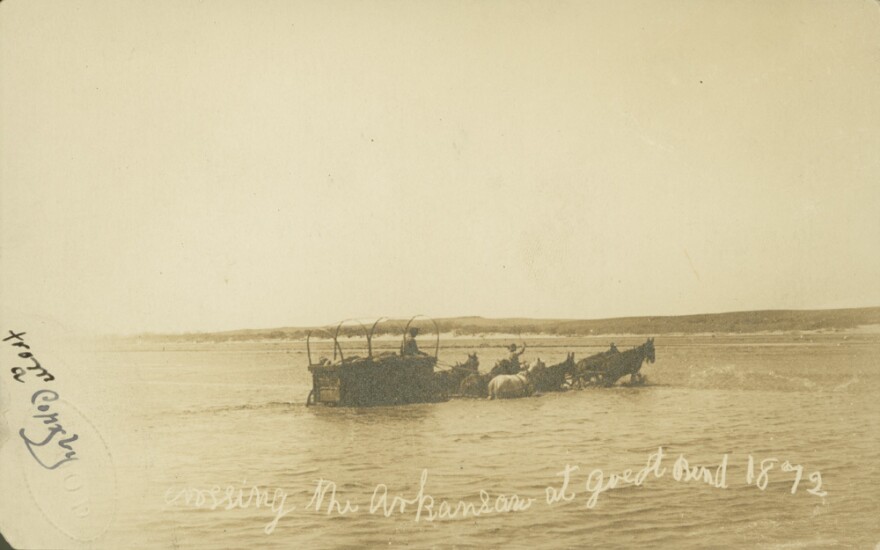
(69,474)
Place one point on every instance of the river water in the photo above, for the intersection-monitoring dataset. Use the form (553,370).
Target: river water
(202,416)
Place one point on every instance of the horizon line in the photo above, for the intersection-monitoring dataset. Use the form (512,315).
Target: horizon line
(448,317)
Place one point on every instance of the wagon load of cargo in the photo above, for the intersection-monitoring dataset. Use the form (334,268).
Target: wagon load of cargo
(389,378)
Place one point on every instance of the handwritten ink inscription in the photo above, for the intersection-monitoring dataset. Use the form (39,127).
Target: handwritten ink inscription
(18,372)
(49,417)
(327,500)
(763,478)
(429,508)
(230,498)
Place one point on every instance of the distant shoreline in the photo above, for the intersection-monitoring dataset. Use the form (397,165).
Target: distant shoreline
(779,322)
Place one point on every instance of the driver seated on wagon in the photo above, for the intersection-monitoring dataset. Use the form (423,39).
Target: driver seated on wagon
(410,347)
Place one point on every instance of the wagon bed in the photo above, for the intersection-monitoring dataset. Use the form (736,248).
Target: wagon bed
(389,380)
(383,379)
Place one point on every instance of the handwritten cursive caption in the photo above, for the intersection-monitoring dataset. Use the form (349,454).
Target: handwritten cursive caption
(18,372)
(326,499)
(48,455)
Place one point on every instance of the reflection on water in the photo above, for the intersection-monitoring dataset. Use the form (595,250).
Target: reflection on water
(228,415)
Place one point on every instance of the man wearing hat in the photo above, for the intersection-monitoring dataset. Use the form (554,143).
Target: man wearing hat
(410,347)
(514,356)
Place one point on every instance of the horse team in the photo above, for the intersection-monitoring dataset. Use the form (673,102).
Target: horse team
(509,380)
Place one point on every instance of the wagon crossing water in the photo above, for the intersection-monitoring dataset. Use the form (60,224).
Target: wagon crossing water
(384,379)
(410,376)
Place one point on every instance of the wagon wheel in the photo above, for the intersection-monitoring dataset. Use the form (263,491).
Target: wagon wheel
(441,389)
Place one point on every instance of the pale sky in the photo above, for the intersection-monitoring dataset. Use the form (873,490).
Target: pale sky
(187,166)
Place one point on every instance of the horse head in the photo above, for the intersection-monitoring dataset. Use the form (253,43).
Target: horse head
(569,362)
(534,374)
(649,350)
(537,368)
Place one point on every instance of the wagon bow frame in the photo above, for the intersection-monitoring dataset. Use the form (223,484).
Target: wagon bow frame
(369,333)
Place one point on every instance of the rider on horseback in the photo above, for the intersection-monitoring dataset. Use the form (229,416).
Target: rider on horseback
(513,358)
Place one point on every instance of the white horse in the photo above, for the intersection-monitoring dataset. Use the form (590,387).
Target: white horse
(508,386)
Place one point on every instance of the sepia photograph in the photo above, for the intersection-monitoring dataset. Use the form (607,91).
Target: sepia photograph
(439,274)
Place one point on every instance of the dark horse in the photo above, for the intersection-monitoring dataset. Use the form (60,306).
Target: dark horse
(449,381)
(617,365)
(590,369)
(553,378)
